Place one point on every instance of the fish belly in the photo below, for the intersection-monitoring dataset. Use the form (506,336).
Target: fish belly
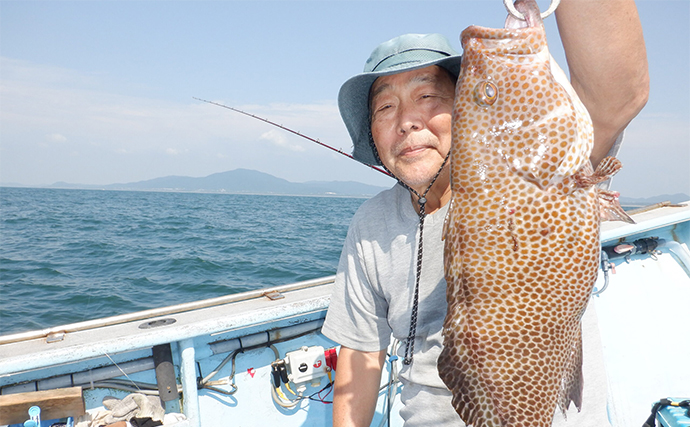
(518,283)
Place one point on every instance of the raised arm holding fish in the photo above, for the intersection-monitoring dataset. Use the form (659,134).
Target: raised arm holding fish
(607,61)
(399,114)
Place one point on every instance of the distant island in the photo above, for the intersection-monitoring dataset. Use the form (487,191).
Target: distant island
(238,181)
(247,181)
(673,198)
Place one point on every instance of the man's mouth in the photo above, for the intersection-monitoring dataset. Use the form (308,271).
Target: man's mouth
(413,151)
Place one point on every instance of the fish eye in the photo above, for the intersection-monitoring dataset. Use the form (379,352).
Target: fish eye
(485,93)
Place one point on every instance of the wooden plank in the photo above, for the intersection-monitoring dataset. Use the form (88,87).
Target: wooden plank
(58,403)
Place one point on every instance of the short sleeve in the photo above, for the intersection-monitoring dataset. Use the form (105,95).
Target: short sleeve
(357,315)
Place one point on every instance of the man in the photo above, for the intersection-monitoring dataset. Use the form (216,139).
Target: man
(398,113)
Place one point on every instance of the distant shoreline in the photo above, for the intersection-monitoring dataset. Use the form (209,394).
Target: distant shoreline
(163,190)
(237,181)
(627,204)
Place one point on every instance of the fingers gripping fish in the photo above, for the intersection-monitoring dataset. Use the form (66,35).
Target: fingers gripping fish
(522,235)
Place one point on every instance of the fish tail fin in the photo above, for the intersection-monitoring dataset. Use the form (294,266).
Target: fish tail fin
(573,381)
(610,209)
(587,176)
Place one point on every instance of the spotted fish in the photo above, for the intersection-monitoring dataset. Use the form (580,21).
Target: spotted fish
(522,233)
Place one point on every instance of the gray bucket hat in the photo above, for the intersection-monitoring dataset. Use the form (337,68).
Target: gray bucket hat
(405,53)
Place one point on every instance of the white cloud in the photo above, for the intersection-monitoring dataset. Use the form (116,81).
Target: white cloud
(280,139)
(56,137)
(91,134)
(174,151)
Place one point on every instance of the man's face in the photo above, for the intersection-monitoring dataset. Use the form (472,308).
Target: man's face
(411,116)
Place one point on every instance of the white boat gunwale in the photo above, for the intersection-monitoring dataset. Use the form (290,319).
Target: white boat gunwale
(301,302)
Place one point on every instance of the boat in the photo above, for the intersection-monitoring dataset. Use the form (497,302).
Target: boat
(258,358)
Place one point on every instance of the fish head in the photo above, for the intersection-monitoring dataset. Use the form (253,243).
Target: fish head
(515,109)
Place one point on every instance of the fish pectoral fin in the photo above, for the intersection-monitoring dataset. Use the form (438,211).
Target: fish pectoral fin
(587,176)
(608,167)
(610,209)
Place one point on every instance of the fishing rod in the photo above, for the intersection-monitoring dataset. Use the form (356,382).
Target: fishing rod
(291,131)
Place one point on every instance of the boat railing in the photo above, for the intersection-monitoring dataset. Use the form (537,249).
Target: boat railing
(272,292)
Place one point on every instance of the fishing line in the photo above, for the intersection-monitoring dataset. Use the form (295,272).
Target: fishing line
(123,372)
(421,200)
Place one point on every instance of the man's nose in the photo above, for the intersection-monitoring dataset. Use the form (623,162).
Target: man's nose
(410,119)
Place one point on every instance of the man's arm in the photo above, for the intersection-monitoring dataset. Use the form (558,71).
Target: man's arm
(607,60)
(356,389)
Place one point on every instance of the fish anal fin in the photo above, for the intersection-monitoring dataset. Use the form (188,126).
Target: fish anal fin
(610,209)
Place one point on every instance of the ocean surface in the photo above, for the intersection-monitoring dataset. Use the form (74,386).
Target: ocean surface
(73,255)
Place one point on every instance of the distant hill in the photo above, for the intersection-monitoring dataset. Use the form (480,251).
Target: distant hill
(246,181)
(241,181)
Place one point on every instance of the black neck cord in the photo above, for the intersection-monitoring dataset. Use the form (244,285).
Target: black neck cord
(421,199)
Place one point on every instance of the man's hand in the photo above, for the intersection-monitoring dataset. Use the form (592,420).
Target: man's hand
(356,389)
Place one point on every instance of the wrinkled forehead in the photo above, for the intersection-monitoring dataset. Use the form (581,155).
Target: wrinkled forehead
(433,75)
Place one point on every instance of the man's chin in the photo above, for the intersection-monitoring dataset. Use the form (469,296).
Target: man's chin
(417,180)
(418,172)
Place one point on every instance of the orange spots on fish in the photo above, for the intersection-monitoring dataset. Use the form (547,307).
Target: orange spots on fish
(522,233)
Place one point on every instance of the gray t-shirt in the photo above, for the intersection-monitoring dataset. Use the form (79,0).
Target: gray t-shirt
(372,301)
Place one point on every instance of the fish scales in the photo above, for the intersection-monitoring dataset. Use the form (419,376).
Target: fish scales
(522,233)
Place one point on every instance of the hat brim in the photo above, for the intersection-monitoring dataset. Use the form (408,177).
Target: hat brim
(353,103)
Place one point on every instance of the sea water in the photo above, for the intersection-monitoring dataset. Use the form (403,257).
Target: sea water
(73,255)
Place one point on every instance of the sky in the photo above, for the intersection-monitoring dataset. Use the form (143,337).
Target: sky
(102,92)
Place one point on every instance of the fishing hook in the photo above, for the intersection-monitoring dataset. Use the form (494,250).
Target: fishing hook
(291,131)
(516,13)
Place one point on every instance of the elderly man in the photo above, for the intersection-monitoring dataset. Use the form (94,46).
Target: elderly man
(398,113)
